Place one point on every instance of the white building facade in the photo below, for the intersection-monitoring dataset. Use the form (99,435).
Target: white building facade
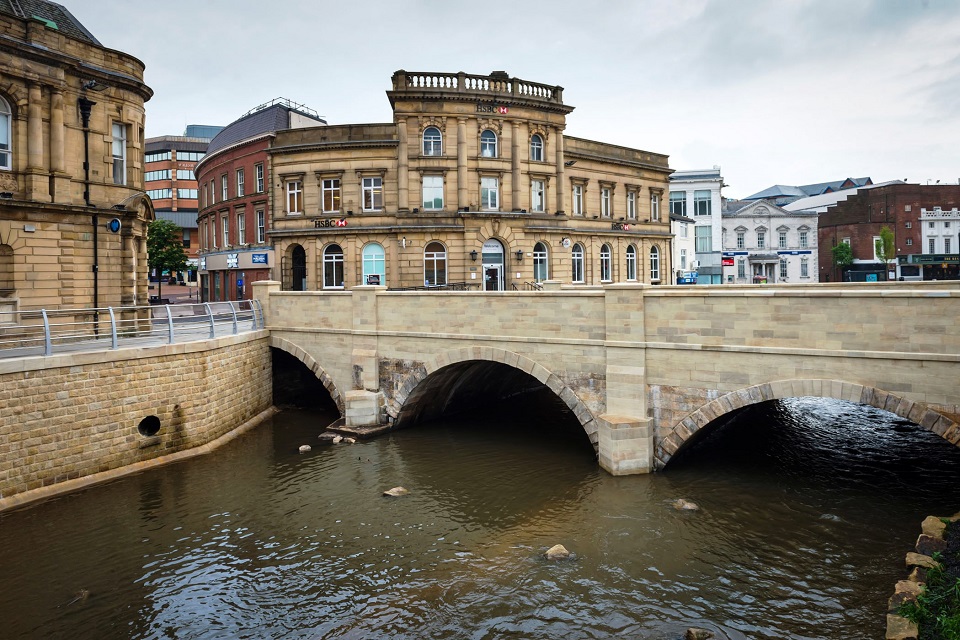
(685,263)
(765,244)
(696,194)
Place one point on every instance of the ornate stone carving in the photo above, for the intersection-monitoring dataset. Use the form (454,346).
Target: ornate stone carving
(8,182)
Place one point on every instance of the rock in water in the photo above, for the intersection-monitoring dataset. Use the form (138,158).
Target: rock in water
(557,552)
(693,633)
(396,492)
(685,505)
(349,440)
(337,439)
(304,448)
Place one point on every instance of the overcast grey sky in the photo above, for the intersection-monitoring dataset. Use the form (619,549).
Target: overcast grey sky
(772,91)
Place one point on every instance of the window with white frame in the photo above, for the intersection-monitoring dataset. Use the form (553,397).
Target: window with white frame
(225,229)
(703,241)
(577,195)
(931,245)
(654,264)
(188,156)
(909,242)
(240,186)
(241,228)
(804,267)
(432,142)
(845,241)
(294,197)
(433,193)
(606,260)
(803,239)
(605,199)
(946,245)
(261,226)
(488,144)
(434,264)
(223,188)
(372,194)
(119,150)
(761,239)
(684,230)
(213,193)
(683,259)
(536,195)
(782,239)
(183,174)
(333,267)
(908,225)
(631,205)
(540,270)
(783,268)
(741,240)
(187,194)
(163,174)
(631,262)
(330,195)
(678,203)
(374,262)
(536,148)
(576,261)
(489,194)
(6,135)
(259,172)
(655,208)
(741,268)
(701,202)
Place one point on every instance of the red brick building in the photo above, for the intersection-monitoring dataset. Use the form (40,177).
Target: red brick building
(925,220)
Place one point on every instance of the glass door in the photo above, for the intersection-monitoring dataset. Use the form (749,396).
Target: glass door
(493,266)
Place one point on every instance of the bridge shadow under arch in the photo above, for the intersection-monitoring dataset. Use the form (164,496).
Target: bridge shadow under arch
(681,434)
(293,350)
(467,378)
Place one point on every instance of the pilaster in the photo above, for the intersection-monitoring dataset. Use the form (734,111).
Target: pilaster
(462,200)
(515,165)
(403,186)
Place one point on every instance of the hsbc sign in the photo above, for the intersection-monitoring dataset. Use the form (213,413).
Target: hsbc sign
(492,108)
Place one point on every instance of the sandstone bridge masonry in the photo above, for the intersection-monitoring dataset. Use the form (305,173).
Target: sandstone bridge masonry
(643,368)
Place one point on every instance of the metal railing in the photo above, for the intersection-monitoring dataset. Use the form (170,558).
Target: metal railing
(49,331)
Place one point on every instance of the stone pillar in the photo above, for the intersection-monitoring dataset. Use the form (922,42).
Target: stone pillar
(403,186)
(37,182)
(561,184)
(362,403)
(462,200)
(61,181)
(515,165)
(625,433)
(261,292)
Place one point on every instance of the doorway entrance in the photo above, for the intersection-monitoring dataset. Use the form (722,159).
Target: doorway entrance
(493,266)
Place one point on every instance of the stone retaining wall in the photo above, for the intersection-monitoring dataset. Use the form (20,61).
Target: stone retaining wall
(68,418)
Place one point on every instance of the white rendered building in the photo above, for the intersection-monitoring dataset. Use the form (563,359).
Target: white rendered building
(764,243)
(696,194)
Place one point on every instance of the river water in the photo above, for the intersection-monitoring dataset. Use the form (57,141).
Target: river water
(807,509)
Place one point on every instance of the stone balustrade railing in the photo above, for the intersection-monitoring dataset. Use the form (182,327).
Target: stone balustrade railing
(497,84)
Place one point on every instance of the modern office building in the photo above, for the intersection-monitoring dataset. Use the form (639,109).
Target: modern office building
(697,195)
(73,214)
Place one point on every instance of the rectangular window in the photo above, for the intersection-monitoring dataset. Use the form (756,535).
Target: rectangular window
(157,194)
(225,228)
(741,268)
(909,225)
(701,202)
(186,238)
(213,193)
(909,242)
(804,268)
(654,208)
(261,227)
(577,195)
(631,205)
(704,239)
(213,230)
(331,195)
(684,230)
(605,202)
(489,194)
(239,182)
(241,229)
(946,245)
(223,188)
(372,194)
(259,178)
(189,156)
(678,203)
(803,239)
(741,240)
(294,197)
(536,195)
(761,240)
(157,156)
(683,259)
(931,245)
(119,148)
(845,241)
(164,174)
(783,268)
(433,193)
(782,239)
(185,174)
(187,194)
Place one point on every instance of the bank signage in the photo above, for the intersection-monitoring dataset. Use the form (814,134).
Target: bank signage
(492,108)
(619,226)
(233,261)
(259,258)
(329,222)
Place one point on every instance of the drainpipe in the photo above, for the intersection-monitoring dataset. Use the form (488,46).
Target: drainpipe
(85,106)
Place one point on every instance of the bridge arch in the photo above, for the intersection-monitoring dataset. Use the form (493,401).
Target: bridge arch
(414,385)
(680,434)
(304,357)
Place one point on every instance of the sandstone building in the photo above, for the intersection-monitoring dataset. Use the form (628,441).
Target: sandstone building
(472,185)
(71,162)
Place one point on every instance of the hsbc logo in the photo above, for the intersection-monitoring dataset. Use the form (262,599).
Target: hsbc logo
(492,108)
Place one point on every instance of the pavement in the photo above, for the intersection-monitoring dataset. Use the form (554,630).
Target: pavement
(175,293)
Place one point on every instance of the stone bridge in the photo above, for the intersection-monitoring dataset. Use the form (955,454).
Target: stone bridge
(643,368)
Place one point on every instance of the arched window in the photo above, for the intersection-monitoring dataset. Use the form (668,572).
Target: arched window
(432,142)
(540,271)
(605,264)
(434,265)
(536,148)
(6,268)
(374,262)
(333,267)
(299,268)
(631,262)
(488,144)
(6,135)
(654,264)
(576,259)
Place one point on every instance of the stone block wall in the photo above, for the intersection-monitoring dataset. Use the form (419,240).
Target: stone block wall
(71,419)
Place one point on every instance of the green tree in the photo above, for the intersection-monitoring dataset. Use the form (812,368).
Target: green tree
(885,247)
(165,249)
(842,257)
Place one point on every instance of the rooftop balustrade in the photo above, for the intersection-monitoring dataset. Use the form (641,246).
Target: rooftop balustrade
(497,85)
